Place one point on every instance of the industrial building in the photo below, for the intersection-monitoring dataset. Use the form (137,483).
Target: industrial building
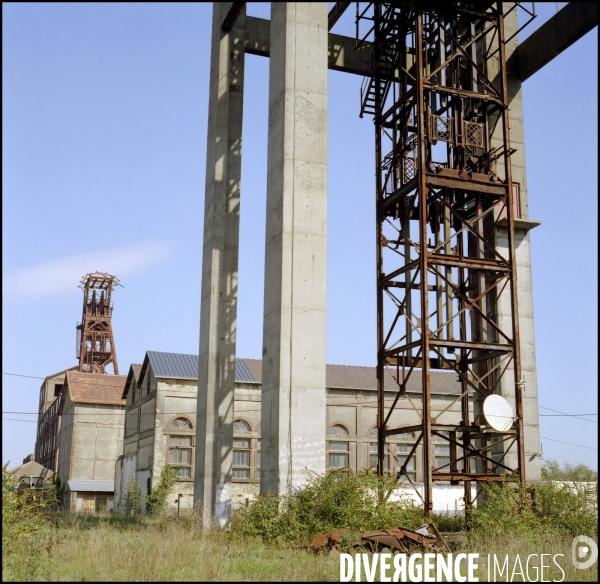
(91,437)
(454,301)
(81,410)
(161,401)
(31,474)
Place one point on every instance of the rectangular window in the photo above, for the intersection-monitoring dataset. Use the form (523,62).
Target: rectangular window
(403,450)
(442,456)
(241,458)
(258,453)
(339,454)
(373,458)
(180,454)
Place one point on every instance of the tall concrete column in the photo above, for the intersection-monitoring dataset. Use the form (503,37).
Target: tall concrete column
(293,380)
(218,310)
(531,424)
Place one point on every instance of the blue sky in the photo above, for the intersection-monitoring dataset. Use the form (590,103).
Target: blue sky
(104,145)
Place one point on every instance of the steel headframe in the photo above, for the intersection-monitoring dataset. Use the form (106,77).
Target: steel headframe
(447,294)
(95,343)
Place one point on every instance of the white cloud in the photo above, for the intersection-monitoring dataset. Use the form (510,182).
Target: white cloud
(62,276)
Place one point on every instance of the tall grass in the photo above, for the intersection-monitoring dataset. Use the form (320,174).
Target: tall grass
(267,538)
(141,548)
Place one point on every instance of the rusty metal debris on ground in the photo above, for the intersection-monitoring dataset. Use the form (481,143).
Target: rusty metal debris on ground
(399,539)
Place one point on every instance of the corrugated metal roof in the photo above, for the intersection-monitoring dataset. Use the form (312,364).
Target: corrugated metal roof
(365,378)
(242,373)
(175,365)
(99,486)
(338,376)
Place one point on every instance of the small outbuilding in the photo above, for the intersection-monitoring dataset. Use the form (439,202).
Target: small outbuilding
(31,475)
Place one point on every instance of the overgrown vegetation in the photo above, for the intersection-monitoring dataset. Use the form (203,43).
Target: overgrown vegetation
(552,471)
(362,502)
(157,498)
(330,502)
(26,517)
(132,503)
(555,508)
(265,536)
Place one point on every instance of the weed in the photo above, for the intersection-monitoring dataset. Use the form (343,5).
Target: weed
(157,498)
(132,504)
(360,502)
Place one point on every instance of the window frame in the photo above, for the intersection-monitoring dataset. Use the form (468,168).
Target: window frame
(172,433)
(389,457)
(340,438)
(410,472)
(248,435)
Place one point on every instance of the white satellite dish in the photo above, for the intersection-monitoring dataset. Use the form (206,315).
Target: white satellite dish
(498,413)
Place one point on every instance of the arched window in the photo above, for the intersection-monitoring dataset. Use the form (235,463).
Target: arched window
(181,447)
(338,429)
(181,424)
(241,450)
(338,455)
(240,426)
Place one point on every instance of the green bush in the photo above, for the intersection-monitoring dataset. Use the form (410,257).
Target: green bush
(26,520)
(132,504)
(564,509)
(552,471)
(569,508)
(340,499)
(157,498)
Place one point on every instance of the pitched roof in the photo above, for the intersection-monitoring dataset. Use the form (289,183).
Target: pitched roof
(338,376)
(136,369)
(133,377)
(95,389)
(61,372)
(31,468)
(174,365)
(365,378)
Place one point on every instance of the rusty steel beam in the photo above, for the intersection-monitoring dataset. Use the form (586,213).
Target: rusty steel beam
(566,27)
(440,275)
(96,341)
(232,15)
(336,12)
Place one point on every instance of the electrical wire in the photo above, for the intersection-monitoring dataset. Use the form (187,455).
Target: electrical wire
(568,443)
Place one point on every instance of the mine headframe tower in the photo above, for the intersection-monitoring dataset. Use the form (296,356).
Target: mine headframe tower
(95,342)
(446,284)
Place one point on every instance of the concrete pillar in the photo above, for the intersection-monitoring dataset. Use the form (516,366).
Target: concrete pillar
(218,312)
(293,413)
(531,427)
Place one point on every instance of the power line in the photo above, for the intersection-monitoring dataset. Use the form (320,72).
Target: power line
(558,412)
(568,416)
(121,427)
(573,415)
(568,443)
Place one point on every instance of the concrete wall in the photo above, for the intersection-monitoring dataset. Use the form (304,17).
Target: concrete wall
(145,452)
(91,440)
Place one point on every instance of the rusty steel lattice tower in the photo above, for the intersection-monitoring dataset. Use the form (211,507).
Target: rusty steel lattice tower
(446,258)
(95,343)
